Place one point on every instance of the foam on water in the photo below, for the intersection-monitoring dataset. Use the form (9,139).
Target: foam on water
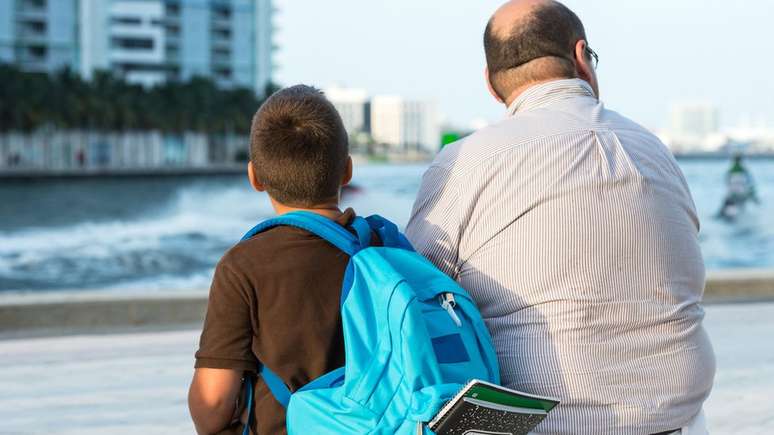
(168,234)
(182,239)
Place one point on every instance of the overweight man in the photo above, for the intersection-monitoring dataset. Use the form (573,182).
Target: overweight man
(575,231)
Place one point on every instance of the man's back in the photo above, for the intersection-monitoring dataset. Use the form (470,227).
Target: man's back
(575,231)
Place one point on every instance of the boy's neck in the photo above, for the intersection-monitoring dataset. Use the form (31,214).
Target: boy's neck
(330,210)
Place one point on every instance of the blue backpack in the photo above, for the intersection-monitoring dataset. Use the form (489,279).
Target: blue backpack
(412,338)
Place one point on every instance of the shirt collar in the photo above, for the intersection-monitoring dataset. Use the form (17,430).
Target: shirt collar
(546,93)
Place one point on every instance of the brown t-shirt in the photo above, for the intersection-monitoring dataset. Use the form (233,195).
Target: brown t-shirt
(275,298)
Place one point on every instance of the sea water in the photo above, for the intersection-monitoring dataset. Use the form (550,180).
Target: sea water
(167,233)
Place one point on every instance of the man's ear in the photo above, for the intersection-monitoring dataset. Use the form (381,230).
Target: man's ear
(257,185)
(491,88)
(347,172)
(584,67)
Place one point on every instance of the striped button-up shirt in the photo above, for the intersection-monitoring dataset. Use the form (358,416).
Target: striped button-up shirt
(574,230)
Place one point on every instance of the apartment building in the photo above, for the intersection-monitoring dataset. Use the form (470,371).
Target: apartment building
(405,124)
(145,41)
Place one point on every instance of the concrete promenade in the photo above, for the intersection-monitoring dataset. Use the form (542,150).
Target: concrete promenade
(136,383)
(58,314)
(100,363)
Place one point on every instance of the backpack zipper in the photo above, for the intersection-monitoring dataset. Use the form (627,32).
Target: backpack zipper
(448,303)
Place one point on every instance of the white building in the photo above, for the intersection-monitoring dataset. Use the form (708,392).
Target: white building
(38,35)
(136,42)
(146,41)
(405,124)
(352,105)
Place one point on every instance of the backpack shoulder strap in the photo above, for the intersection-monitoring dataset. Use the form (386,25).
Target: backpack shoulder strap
(388,232)
(328,230)
(249,393)
(277,388)
(320,226)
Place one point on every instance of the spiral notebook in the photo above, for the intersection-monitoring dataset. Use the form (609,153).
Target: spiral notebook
(482,408)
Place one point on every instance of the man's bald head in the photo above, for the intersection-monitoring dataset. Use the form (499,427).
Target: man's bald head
(510,13)
(529,41)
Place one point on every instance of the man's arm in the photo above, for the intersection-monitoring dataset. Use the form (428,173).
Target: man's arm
(213,399)
(434,228)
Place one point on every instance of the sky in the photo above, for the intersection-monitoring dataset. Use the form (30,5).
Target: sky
(653,53)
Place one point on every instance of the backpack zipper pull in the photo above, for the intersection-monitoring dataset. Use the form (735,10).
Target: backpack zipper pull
(448,303)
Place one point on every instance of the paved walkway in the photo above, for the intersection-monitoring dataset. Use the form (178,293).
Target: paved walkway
(137,383)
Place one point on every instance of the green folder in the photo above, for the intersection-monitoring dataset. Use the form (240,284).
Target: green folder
(482,407)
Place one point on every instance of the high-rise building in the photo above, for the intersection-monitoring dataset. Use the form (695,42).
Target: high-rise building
(145,41)
(38,35)
(352,105)
(404,123)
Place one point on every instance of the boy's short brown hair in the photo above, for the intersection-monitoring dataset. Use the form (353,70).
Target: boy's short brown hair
(299,147)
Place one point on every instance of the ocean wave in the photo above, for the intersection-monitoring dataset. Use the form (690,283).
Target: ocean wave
(180,239)
(155,235)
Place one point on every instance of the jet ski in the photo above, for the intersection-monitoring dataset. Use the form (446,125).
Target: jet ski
(740,190)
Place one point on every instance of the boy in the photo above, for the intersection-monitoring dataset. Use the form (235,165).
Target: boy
(275,297)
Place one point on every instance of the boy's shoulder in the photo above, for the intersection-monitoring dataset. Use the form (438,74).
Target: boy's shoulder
(264,250)
(279,248)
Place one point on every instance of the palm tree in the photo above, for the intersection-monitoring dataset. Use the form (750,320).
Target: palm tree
(29,101)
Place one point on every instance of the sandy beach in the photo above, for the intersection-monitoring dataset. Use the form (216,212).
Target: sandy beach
(129,383)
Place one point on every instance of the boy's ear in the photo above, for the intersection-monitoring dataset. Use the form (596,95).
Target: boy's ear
(257,185)
(347,172)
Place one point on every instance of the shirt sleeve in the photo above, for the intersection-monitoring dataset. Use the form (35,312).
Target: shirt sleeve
(434,227)
(227,336)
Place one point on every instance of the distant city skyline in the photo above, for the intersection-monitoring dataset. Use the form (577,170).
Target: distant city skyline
(653,54)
